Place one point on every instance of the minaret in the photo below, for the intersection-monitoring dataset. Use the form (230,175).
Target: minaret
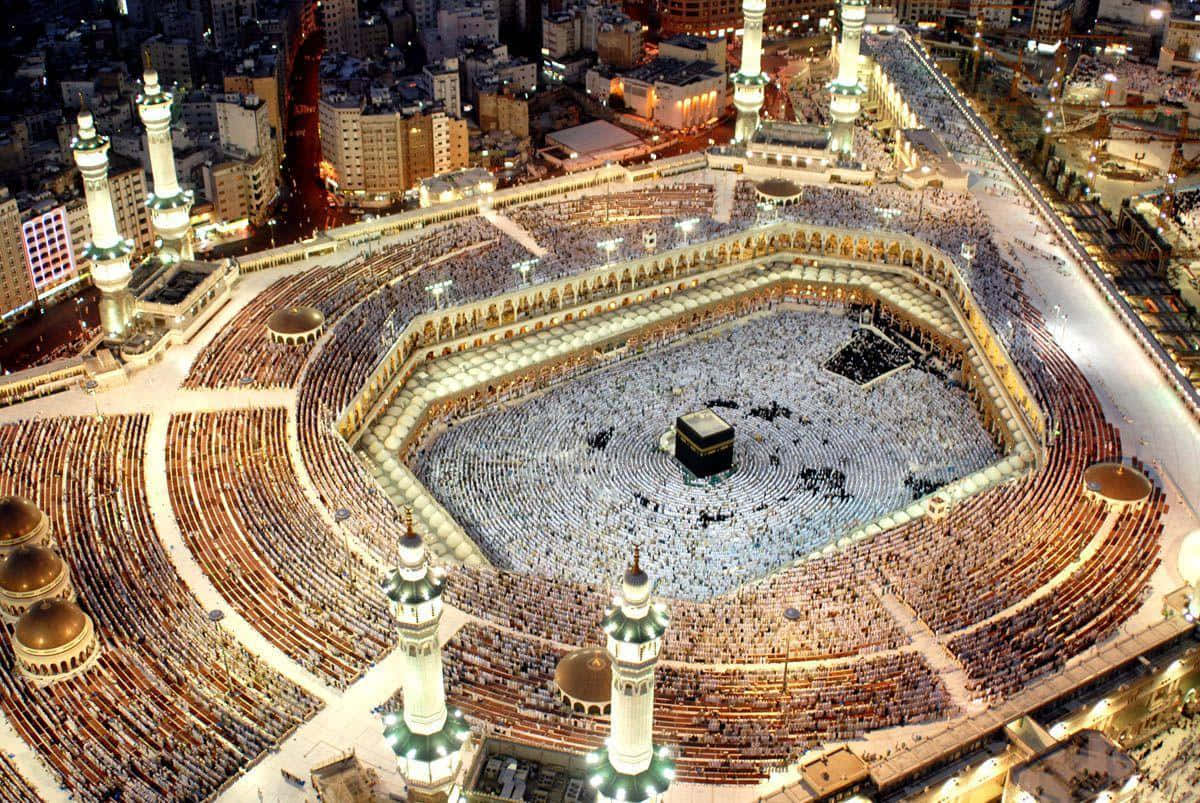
(170,206)
(425,739)
(845,89)
(630,768)
(108,250)
(749,82)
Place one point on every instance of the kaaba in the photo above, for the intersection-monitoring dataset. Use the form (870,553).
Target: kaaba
(704,442)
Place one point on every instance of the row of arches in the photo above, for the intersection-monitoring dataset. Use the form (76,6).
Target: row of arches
(500,317)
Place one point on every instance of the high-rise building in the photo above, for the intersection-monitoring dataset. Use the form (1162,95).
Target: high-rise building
(339,19)
(425,737)
(631,768)
(225,18)
(749,83)
(16,287)
(846,90)
(441,81)
(376,153)
(127,183)
(172,59)
(245,183)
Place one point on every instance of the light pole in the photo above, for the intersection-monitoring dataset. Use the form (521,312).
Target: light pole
(686,226)
(340,516)
(215,616)
(609,246)
(90,387)
(790,615)
(525,267)
(438,289)
(925,171)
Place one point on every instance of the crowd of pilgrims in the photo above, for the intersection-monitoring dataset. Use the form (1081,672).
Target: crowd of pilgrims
(159,718)
(1142,79)
(173,708)
(562,483)
(1169,763)
(726,726)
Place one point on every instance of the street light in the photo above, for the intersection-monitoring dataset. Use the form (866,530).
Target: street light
(438,289)
(215,616)
(790,615)
(340,516)
(925,171)
(686,226)
(609,246)
(526,267)
(90,387)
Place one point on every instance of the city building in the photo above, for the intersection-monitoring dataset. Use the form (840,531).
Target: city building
(225,18)
(339,20)
(376,152)
(441,81)
(243,184)
(1181,46)
(172,59)
(260,75)
(619,44)
(719,17)
(675,94)
(49,249)
(689,47)
(1052,19)
(16,285)
(500,111)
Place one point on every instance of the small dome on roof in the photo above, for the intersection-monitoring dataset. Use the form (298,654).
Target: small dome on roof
(778,188)
(28,568)
(18,518)
(1117,482)
(295,320)
(585,676)
(50,624)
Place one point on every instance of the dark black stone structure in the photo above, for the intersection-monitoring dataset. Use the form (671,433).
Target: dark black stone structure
(704,442)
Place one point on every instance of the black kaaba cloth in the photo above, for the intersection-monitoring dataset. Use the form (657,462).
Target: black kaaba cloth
(704,442)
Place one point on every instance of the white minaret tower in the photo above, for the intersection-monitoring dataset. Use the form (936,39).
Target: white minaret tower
(749,82)
(170,206)
(108,250)
(845,89)
(630,769)
(425,739)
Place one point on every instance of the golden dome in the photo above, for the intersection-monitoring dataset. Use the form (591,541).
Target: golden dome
(18,518)
(1117,482)
(778,188)
(585,675)
(50,624)
(295,320)
(28,568)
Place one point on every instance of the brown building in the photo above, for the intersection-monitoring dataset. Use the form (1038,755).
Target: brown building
(715,17)
(502,112)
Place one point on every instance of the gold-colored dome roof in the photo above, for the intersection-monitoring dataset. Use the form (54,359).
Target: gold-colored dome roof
(28,568)
(295,320)
(778,188)
(18,518)
(49,624)
(585,675)
(1117,482)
